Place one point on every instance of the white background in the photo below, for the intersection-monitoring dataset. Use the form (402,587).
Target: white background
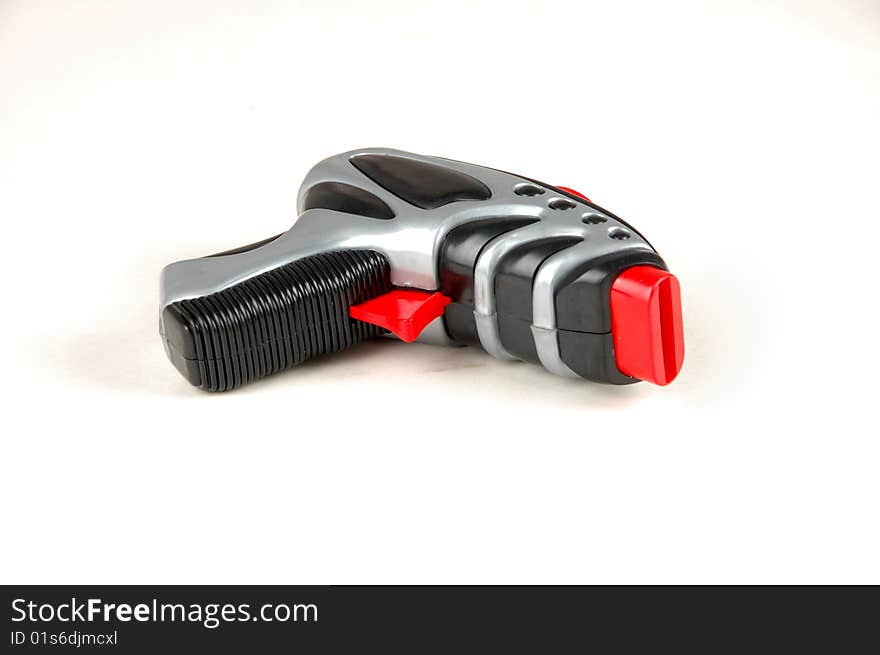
(741,138)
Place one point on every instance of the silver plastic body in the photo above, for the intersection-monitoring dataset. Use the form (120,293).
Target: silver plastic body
(412,240)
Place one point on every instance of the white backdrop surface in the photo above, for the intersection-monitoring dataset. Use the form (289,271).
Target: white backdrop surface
(741,138)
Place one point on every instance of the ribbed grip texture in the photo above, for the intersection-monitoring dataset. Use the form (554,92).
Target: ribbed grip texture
(275,320)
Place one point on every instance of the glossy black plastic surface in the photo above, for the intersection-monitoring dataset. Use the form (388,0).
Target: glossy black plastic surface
(424,185)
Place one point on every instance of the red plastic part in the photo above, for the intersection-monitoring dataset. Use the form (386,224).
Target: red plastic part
(405,312)
(577,193)
(646,324)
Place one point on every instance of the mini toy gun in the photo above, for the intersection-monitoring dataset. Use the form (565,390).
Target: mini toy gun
(431,250)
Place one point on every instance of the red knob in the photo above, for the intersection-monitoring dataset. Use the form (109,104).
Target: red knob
(646,324)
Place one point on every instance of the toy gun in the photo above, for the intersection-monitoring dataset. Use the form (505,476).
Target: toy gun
(436,251)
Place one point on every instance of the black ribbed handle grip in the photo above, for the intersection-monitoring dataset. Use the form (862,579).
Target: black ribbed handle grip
(274,320)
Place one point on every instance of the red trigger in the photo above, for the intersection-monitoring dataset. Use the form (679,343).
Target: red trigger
(405,312)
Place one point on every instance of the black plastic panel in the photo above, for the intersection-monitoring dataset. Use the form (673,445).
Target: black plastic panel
(427,186)
(461,248)
(346,198)
(513,293)
(591,356)
(516,337)
(516,274)
(460,323)
(458,255)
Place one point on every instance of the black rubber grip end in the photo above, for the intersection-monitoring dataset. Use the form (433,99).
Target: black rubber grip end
(275,320)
